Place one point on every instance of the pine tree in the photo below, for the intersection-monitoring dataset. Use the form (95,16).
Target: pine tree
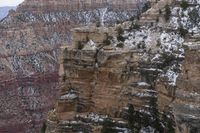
(156,123)
(44,126)
(131,118)
(134,120)
(108,126)
(167,12)
(169,123)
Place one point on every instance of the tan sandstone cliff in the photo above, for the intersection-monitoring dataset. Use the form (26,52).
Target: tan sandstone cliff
(100,79)
(30,38)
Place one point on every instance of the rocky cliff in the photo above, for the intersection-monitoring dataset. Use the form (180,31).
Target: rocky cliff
(30,41)
(140,76)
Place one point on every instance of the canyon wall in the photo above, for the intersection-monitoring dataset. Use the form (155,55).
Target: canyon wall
(145,64)
(30,41)
(100,79)
(75,4)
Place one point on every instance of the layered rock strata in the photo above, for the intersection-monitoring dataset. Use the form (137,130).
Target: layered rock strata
(100,78)
(97,80)
(30,41)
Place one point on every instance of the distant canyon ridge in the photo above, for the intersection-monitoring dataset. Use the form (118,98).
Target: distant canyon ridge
(4,11)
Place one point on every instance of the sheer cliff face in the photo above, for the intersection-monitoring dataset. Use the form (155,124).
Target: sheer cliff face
(30,41)
(98,81)
(187,105)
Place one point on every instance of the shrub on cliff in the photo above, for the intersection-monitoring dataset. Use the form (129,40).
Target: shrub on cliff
(108,39)
(106,42)
(120,32)
(194,16)
(107,126)
(120,38)
(135,26)
(168,122)
(146,6)
(120,45)
(167,13)
(132,119)
(98,24)
(160,11)
(44,126)
(80,45)
(184,4)
(183,32)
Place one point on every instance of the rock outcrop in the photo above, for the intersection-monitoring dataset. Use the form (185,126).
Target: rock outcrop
(108,71)
(30,41)
(98,79)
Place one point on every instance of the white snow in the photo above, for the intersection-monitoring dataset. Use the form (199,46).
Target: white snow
(141,94)
(69,96)
(156,57)
(147,38)
(142,84)
(183,18)
(172,76)
(148,129)
(123,130)
(90,45)
(102,16)
(93,117)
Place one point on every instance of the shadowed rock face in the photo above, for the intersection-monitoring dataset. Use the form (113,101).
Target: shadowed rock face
(30,38)
(185,98)
(187,105)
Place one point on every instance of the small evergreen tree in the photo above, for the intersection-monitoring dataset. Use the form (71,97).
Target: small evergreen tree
(160,11)
(146,6)
(120,38)
(44,126)
(134,122)
(120,31)
(156,123)
(167,13)
(108,126)
(131,117)
(132,19)
(98,24)
(107,40)
(80,46)
(87,39)
(194,16)
(120,45)
(184,4)
(168,123)
(183,32)
(134,26)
